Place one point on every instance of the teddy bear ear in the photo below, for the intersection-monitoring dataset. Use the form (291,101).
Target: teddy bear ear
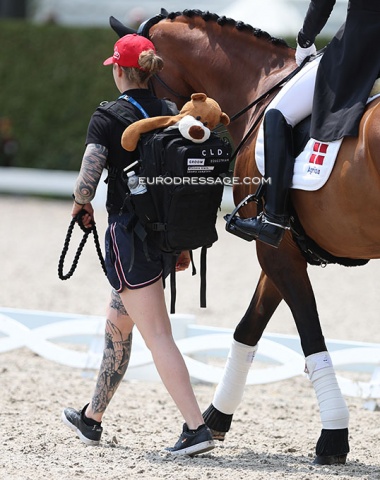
(201,97)
(224,119)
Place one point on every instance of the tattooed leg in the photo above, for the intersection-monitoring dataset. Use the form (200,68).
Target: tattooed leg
(116,355)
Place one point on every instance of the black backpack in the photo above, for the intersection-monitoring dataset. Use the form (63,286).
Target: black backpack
(184,183)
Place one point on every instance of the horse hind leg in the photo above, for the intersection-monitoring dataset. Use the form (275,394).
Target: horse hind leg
(332,446)
(288,271)
(229,392)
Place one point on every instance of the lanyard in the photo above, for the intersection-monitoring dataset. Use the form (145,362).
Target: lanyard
(136,104)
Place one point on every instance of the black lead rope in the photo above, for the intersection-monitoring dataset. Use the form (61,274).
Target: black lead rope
(87,231)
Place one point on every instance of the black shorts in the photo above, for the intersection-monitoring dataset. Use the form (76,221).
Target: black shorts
(130,263)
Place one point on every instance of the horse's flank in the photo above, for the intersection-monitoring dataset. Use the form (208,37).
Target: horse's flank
(348,206)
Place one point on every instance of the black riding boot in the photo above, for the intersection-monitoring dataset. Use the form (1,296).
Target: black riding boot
(269,227)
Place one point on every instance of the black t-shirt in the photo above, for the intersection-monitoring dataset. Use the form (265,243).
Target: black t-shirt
(106,130)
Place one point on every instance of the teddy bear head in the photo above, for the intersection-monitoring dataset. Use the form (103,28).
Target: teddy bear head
(206,110)
(203,109)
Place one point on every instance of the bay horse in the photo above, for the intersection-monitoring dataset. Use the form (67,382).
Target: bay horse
(236,64)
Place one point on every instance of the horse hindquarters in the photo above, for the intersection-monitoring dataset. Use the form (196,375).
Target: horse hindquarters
(343,217)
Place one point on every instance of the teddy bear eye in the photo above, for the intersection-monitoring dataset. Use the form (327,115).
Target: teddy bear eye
(198,117)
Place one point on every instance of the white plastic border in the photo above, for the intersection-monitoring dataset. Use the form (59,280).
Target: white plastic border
(280,354)
(60,183)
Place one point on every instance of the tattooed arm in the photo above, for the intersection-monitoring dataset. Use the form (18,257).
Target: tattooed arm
(93,162)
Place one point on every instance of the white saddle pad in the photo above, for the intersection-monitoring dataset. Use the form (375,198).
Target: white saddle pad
(313,166)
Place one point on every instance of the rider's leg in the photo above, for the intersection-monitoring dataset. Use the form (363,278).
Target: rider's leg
(295,101)
(279,162)
(287,102)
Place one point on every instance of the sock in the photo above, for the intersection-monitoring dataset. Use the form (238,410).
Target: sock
(90,422)
(197,429)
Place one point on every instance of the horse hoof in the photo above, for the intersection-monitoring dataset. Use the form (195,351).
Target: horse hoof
(330,460)
(220,436)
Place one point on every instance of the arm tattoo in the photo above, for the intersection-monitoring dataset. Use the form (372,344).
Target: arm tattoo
(93,162)
(116,355)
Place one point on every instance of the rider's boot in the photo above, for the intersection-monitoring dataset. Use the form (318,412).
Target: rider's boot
(269,227)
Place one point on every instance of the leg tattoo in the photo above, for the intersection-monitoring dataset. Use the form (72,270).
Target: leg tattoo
(117,303)
(116,355)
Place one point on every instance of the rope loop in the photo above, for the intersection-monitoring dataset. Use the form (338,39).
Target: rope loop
(87,230)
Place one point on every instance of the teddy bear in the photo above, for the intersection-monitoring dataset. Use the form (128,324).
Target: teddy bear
(195,121)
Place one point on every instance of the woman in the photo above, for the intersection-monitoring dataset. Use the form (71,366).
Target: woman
(138,295)
(345,76)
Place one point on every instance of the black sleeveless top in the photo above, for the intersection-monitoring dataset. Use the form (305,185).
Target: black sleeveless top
(106,130)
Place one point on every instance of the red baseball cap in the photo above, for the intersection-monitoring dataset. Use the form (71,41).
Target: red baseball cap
(127,50)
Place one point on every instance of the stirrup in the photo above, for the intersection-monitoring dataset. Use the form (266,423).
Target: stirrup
(230,225)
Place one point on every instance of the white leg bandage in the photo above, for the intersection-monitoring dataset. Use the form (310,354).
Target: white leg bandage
(229,391)
(332,406)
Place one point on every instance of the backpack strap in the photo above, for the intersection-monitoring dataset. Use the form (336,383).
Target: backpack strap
(128,115)
(203,276)
(173,284)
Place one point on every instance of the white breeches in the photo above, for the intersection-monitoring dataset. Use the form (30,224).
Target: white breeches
(294,101)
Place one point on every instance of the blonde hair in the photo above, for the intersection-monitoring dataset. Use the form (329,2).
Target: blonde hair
(150,64)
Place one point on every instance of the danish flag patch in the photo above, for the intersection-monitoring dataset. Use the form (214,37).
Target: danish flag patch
(319,153)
